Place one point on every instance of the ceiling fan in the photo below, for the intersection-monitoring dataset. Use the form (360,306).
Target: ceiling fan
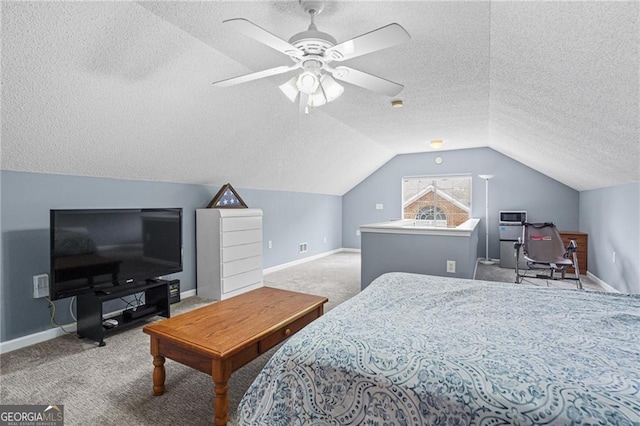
(313,51)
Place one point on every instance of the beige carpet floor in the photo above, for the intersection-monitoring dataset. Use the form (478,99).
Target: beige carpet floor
(111,385)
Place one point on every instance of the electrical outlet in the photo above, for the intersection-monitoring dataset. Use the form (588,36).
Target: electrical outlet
(303,247)
(451,266)
(357,232)
(379,206)
(40,286)
(614,257)
(270,244)
(325,240)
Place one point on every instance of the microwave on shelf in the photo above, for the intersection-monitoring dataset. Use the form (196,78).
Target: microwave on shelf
(514,217)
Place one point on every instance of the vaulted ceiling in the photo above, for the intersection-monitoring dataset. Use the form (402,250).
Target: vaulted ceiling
(123,90)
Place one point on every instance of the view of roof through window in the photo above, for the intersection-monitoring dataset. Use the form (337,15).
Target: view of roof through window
(437,200)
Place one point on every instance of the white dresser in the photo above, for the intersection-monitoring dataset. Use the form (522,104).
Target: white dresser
(229,251)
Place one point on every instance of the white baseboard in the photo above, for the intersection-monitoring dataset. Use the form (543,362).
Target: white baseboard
(303,260)
(43,336)
(350,250)
(32,339)
(187,294)
(604,285)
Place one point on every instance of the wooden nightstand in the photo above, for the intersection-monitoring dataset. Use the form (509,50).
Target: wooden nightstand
(582,240)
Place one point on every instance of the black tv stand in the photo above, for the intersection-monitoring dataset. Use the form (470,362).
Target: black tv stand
(90,315)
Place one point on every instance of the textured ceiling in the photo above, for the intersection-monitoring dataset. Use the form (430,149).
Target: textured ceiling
(122,89)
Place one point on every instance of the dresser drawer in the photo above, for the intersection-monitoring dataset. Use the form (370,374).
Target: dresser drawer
(244,279)
(230,254)
(235,238)
(582,263)
(286,331)
(242,265)
(582,240)
(241,223)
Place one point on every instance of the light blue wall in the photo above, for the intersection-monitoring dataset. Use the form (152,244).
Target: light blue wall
(514,187)
(418,254)
(611,217)
(289,218)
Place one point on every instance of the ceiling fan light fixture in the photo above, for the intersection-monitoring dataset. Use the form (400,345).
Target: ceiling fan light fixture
(317,99)
(307,82)
(331,88)
(290,89)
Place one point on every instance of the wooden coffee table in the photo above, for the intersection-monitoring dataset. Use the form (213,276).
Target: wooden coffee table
(220,338)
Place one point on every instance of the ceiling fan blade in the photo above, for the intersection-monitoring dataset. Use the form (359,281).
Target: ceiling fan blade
(250,29)
(254,76)
(368,81)
(379,39)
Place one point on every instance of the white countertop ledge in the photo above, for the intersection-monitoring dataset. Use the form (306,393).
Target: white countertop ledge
(412,227)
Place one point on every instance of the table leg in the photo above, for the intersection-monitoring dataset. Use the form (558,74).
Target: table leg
(158,375)
(158,367)
(221,372)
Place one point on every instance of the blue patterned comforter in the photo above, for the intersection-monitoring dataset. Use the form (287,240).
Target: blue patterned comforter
(423,350)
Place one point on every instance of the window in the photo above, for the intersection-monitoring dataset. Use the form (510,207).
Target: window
(432,216)
(437,200)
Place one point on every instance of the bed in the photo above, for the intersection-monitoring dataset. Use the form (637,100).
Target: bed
(422,350)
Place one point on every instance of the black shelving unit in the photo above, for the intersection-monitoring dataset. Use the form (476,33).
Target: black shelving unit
(89,308)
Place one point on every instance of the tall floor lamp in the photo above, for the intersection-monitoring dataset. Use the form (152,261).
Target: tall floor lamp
(487,260)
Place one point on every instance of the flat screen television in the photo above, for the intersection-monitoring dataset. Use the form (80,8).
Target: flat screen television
(93,250)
